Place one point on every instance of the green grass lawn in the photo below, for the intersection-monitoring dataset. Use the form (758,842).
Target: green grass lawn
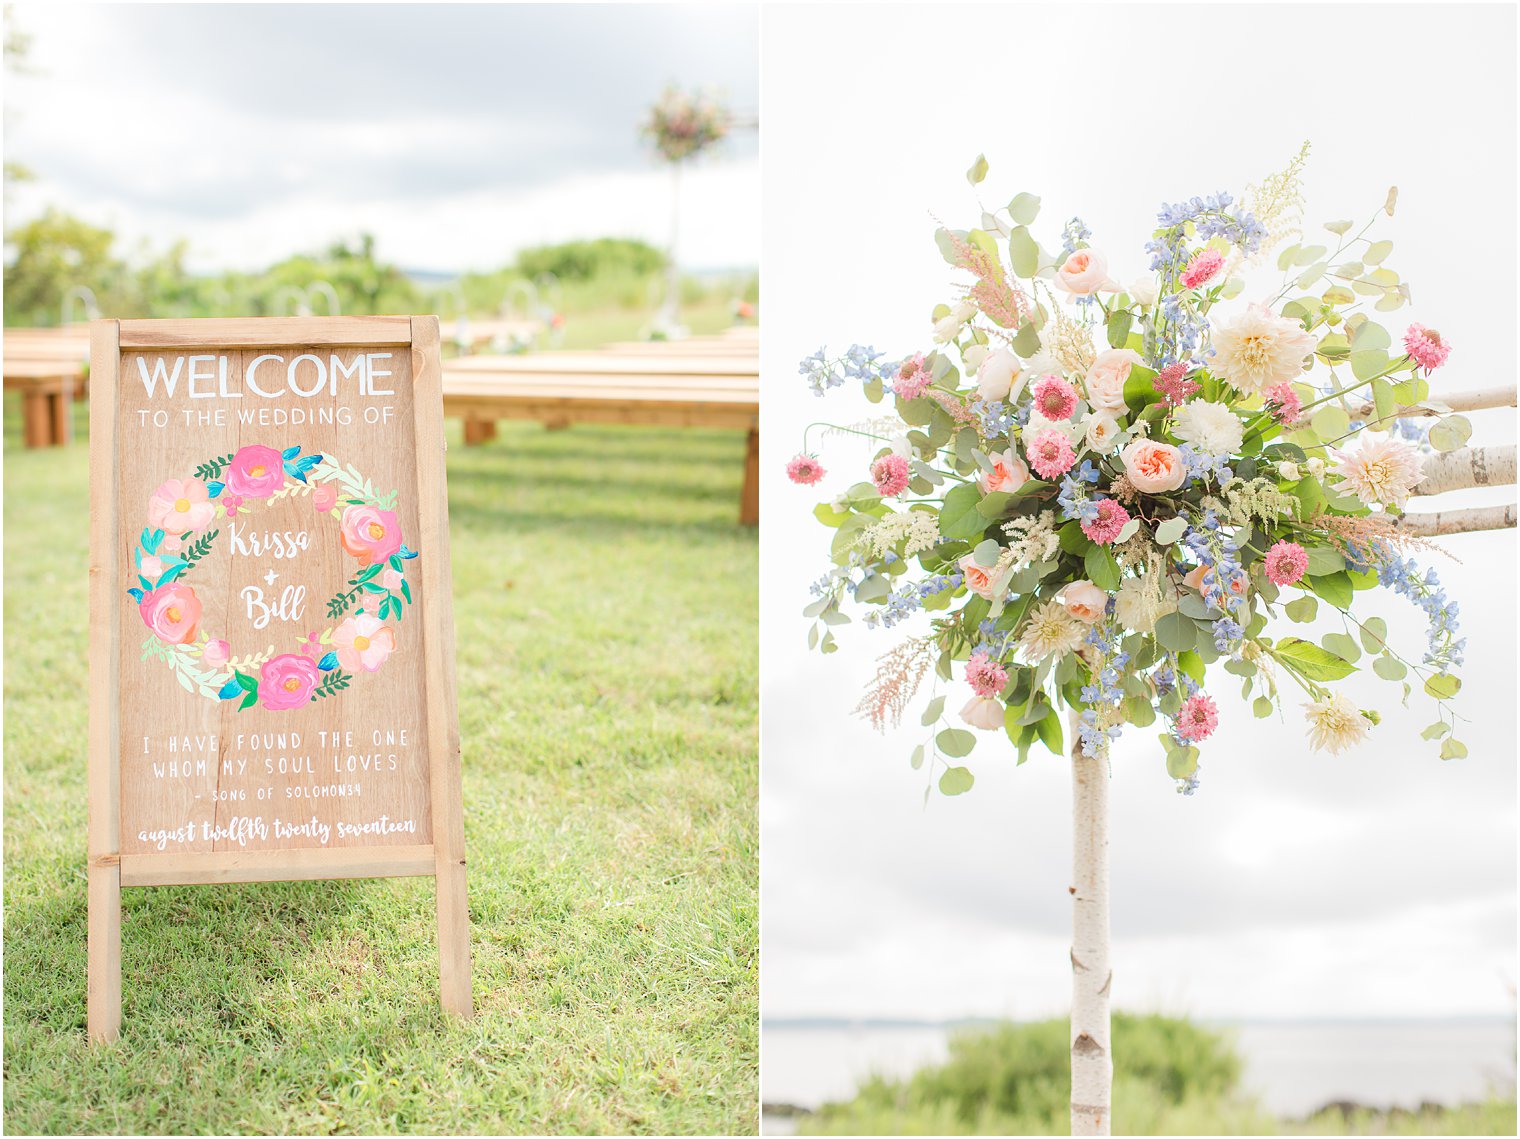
(605,604)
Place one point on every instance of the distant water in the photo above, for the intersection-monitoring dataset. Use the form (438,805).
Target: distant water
(1292,1068)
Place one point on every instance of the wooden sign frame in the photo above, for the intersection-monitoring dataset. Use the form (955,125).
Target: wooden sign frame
(109,870)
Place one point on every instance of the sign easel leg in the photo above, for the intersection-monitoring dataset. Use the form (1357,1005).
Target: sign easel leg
(454,937)
(104,950)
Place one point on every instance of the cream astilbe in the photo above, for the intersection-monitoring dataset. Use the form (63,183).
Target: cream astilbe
(899,672)
(1278,204)
(917,529)
(1069,341)
(1258,500)
(1032,538)
(1143,599)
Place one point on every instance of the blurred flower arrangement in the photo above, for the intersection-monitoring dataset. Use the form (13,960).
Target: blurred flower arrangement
(1100,492)
(682,125)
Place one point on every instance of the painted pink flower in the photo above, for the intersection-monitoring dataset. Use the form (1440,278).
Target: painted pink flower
(1425,347)
(1173,383)
(1201,269)
(152,567)
(312,646)
(1104,529)
(1050,454)
(181,505)
(369,533)
(912,378)
(804,469)
(1054,398)
(362,642)
(172,612)
(216,654)
(1285,563)
(391,579)
(230,503)
(1198,718)
(287,681)
(985,675)
(255,472)
(324,498)
(890,474)
(1283,404)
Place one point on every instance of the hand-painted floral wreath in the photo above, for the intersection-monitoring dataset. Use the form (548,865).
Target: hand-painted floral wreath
(180,532)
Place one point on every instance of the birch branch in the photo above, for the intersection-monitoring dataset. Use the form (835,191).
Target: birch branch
(1470,467)
(1457,401)
(1459,521)
(1092,1064)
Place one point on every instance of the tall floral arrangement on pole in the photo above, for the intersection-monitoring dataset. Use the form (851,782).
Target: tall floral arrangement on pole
(680,126)
(1117,499)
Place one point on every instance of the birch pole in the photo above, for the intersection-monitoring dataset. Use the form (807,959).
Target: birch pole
(1092,1062)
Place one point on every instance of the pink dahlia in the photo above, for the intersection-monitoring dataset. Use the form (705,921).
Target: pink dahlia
(1425,347)
(1104,529)
(1201,269)
(804,469)
(1173,384)
(1054,398)
(1286,563)
(912,378)
(890,474)
(985,675)
(1050,454)
(1283,404)
(1198,718)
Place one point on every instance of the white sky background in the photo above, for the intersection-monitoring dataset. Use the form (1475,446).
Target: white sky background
(457,134)
(1378,884)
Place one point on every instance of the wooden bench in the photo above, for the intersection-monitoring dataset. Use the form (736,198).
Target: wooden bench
(48,389)
(562,388)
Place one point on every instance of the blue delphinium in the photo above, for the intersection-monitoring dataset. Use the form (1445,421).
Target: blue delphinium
(1073,234)
(1444,648)
(1074,499)
(994,417)
(1202,466)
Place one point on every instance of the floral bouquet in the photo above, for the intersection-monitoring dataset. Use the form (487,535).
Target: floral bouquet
(1098,491)
(681,126)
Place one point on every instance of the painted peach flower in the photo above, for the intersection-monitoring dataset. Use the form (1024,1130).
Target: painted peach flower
(362,642)
(1009,472)
(1084,273)
(324,498)
(1084,601)
(369,533)
(180,505)
(216,654)
(255,472)
(391,579)
(172,612)
(1153,468)
(1106,377)
(287,681)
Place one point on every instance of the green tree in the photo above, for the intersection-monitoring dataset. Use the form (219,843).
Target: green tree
(51,254)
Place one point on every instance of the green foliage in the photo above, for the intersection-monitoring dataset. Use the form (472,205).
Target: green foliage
(588,260)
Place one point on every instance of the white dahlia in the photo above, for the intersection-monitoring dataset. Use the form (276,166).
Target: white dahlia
(1382,471)
(1211,427)
(1258,350)
(1050,631)
(1334,724)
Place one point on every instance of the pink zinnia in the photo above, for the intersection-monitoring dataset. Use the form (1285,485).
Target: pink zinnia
(1173,384)
(912,378)
(804,469)
(1054,398)
(1283,404)
(1286,563)
(1201,269)
(985,675)
(890,474)
(1112,518)
(1425,347)
(1050,454)
(1198,718)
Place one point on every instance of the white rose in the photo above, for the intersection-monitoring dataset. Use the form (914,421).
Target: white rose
(973,356)
(1101,429)
(1317,468)
(1143,289)
(948,327)
(1288,469)
(999,377)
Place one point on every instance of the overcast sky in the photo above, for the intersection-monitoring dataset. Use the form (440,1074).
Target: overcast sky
(456,133)
(1380,883)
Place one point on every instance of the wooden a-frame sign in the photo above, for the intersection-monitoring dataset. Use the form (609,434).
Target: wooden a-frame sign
(271,629)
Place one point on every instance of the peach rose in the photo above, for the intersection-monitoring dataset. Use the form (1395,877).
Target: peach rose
(172,612)
(980,580)
(1000,376)
(255,472)
(181,505)
(1084,273)
(1152,467)
(287,681)
(1193,579)
(1106,376)
(1084,601)
(362,642)
(985,712)
(369,533)
(1009,472)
